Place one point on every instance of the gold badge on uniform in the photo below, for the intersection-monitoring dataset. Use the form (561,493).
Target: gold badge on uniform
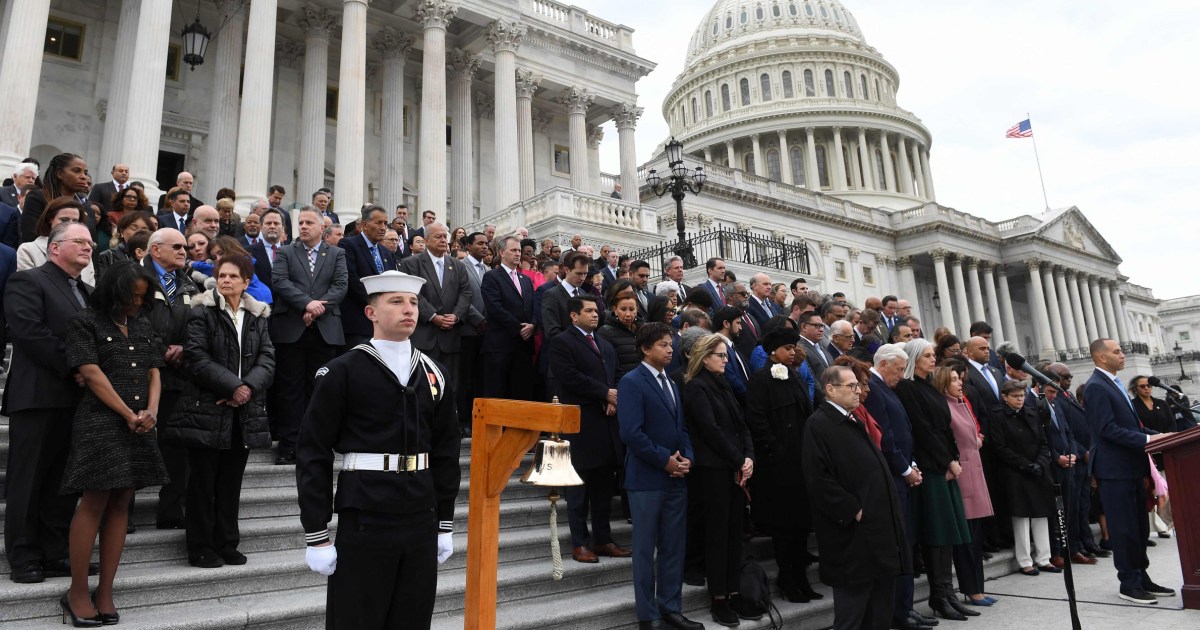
(432,384)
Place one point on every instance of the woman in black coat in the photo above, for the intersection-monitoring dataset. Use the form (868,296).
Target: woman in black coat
(941,518)
(724,462)
(1019,441)
(620,329)
(231,361)
(777,408)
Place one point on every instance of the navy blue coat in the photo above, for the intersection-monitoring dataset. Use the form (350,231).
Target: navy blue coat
(652,429)
(506,311)
(10,226)
(897,440)
(360,264)
(1119,439)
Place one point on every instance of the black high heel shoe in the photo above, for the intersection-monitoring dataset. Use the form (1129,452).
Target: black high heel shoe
(108,619)
(953,601)
(86,622)
(943,609)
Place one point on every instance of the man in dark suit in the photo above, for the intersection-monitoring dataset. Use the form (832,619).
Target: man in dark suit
(759,303)
(320,201)
(508,339)
(738,297)
(1079,505)
(308,283)
(812,331)
(10,226)
(24,174)
(897,448)
(251,228)
(40,399)
(610,270)
(555,317)
(103,192)
(639,273)
(177,213)
(674,271)
(862,540)
(445,299)
(584,368)
(983,392)
(8,266)
(427,217)
(365,256)
(715,283)
(727,322)
(1120,465)
(1064,455)
(471,370)
(650,415)
(184,182)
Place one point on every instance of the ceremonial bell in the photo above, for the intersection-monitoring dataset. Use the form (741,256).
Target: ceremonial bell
(552,465)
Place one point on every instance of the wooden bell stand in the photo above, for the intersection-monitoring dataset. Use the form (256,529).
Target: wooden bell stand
(502,433)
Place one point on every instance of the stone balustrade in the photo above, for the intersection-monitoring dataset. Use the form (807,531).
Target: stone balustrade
(578,21)
(597,211)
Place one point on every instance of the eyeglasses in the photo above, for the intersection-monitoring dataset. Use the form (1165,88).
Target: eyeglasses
(852,386)
(82,242)
(1144,386)
(177,246)
(723,355)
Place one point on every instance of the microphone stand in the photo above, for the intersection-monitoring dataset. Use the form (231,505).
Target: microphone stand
(1060,504)
(1183,411)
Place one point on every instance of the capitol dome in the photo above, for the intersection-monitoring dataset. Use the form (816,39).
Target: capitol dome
(782,88)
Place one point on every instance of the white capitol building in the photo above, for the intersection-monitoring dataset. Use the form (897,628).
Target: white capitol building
(491,111)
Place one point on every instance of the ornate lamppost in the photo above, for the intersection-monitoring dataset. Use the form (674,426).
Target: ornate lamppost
(680,182)
(1179,357)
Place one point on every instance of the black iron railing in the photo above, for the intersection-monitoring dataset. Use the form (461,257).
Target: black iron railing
(735,246)
(1170,357)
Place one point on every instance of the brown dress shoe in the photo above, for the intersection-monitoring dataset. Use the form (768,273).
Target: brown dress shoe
(1057,562)
(1079,558)
(612,550)
(583,554)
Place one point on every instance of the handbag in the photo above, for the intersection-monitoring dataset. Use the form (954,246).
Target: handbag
(755,589)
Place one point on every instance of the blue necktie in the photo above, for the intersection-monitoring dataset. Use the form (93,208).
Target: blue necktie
(169,286)
(378,259)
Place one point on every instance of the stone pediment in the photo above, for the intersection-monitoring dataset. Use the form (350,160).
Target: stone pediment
(1071,228)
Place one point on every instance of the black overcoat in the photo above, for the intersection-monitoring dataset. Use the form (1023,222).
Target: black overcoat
(720,438)
(1019,440)
(776,412)
(583,377)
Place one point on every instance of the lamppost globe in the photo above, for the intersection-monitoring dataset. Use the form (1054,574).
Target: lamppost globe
(195,43)
(674,152)
(679,181)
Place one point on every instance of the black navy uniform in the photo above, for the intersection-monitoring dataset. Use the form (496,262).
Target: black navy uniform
(388,522)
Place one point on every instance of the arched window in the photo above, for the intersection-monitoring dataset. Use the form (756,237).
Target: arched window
(758,13)
(809,88)
(764,86)
(847,164)
(728,21)
(849,84)
(708,103)
(683,114)
(695,110)
(716,26)
(773,171)
(822,166)
(866,95)
(744,17)
(792,9)
(808,10)
(824,13)
(748,162)
(725,105)
(830,89)
(787,84)
(880,180)
(797,165)
(744,86)
(775,11)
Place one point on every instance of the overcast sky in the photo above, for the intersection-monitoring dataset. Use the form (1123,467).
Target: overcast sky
(1110,88)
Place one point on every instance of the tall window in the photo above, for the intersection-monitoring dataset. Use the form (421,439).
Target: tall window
(773,165)
(775,12)
(849,84)
(809,88)
(744,88)
(695,110)
(683,114)
(866,95)
(64,39)
(880,180)
(830,89)
(764,86)
(725,97)
(797,165)
(787,84)
(847,164)
(748,161)
(758,13)
(708,103)
(822,166)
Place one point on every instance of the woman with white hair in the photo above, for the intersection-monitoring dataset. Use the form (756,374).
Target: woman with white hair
(939,506)
(669,288)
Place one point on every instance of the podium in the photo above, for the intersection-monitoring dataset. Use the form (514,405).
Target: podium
(1181,454)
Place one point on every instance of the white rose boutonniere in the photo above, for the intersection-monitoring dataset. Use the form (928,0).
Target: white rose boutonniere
(779,371)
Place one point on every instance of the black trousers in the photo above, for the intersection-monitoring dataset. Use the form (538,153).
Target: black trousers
(724,505)
(1079,509)
(213,494)
(968,560)
(173,494)
(296,366)
(37,519)
(510,374)
(1128,528)
(938,560)
(693,551)
(902,596)
(863,606)
(594,496)
(469,377)
(386,573)
(997,529)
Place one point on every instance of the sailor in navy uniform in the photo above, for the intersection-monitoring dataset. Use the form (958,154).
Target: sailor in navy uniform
(387,408)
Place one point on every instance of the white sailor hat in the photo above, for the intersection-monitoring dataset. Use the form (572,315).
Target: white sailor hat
(392,282)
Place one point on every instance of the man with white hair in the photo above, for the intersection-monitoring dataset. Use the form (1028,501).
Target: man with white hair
(674,271)
(25,173)
(841,338)
(185,182)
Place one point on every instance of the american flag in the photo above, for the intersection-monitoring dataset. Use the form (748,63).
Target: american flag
(1020,130)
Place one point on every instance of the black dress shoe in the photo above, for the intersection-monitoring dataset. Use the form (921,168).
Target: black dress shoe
(723,614)
(1156,590)
(1100,552)
(650,625)
(1137,596)
(28,573)
(908,623)
(922,619)
(1164,534)
(1151,543)
(285,458)
(206,560)
(232,556)
(170,523)
(62,568)
(1105,544)
(961,608)
(108,619)
(678,621)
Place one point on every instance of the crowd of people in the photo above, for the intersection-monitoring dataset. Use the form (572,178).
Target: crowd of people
(156,346)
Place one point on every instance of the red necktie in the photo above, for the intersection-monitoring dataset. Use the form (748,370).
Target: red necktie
(721,293)
(750,324)
(592,341)
(274,251)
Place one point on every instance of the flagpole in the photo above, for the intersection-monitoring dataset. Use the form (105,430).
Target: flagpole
(1039,163)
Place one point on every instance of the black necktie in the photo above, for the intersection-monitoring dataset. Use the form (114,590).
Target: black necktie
(77,291)
(662,379)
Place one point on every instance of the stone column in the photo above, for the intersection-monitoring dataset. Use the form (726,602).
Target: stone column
(839,162)
(908,282)
(394,47)
(20,72)
(112,147)
(906,175)
(928,175)
(254,117)
(1008,321)
(143,114)
(527,86)
(434,15)
(1081,331)
(1064,307)
(461,66)
(943,286)
(918,172)
(989,289)
(811,175)
(505,37)
(855,167)
(760,168)
(960,297)
(864,156)
(785,159)
(577,100)
(1119,312)
(1089,312)
(318,26)
(349,161)
(889,174)
(289,62)
(977,311)
(1041,315)
(1056,324)
(708,155)
(827,259)
(1109,314)
(595,136)
(626,116)
(730,154)
(1098,307)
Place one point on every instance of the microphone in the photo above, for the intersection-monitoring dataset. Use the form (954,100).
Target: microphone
(1018,362)
(1156,382)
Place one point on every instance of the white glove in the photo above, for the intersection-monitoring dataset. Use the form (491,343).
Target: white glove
(323,560)
(445,546)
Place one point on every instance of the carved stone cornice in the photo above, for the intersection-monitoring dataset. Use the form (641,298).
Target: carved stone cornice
(904,262)
(435,13)
(319,23)
(461,65)
(289,54)
(577,100)
(392,44)
(626,115)
(527,83)
(506,36)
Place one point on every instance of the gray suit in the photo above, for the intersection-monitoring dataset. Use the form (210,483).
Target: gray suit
(817,358)
(451,297)
(477,314)
(471,372)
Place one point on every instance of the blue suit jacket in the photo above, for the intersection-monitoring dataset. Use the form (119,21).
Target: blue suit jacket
(8,266)
(897,443)
(10,226)
(652,429)
(359,264)
(506,311)
(717,301)
(733,373)
(1119,438)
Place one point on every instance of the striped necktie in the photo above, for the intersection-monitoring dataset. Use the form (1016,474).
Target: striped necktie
(312,261)
(168,281)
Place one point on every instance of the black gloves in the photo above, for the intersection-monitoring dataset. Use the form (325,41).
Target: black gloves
(1034,470)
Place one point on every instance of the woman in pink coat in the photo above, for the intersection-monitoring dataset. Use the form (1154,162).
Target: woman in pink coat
(977,503)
